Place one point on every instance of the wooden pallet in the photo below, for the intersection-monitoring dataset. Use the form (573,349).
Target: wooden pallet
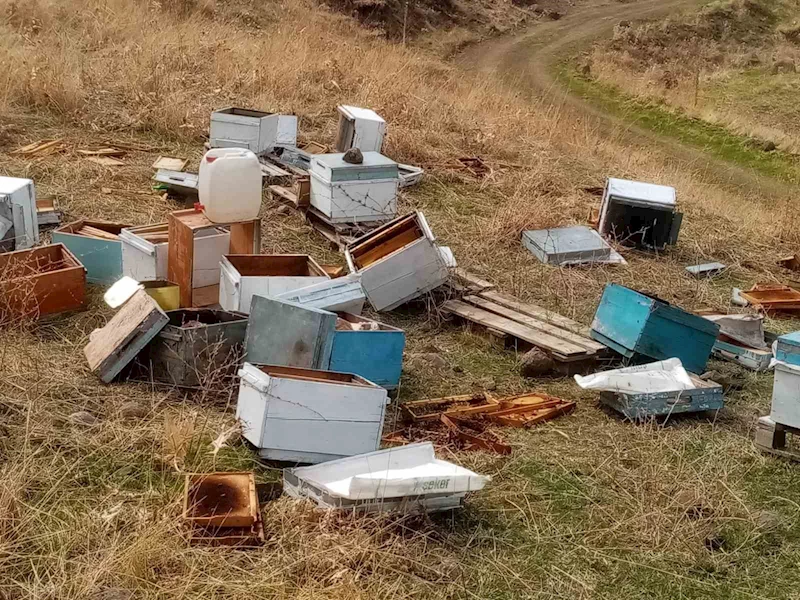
(771,438)
(528,325)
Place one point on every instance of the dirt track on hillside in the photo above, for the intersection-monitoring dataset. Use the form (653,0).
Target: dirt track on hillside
(527,61)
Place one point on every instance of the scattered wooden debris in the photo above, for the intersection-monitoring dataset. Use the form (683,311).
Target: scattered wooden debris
(41,148)
(773,298)
(116,152)
(105,161)
(170,163)
(770,437)
(314,148)
(476,166)
(466,417)
(790,262)
(706,270)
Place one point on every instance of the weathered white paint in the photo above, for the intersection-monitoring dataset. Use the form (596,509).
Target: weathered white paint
(360,128)
(407,273)
(18,205)
(236,291)
(786,395)
(354,201)
(343,294)
(144,261)
(256,130)
(309,419)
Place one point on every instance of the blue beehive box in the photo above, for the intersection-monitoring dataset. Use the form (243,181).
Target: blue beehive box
(94,244)
(294,335)
(707,396)
(632,324)
(788,349)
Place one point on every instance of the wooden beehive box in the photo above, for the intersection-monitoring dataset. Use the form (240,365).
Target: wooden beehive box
(632,323)
(246,275)
(97,245)
(40,281)
(707,396)
(256,130)
(220,499)
(284,333)
(145,252)
(398,262)
(309,416)
(113,347)
(197,347)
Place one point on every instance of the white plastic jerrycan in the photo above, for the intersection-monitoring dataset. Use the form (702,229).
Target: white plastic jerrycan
(230,185)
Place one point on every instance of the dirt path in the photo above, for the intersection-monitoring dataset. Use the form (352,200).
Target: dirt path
(527,61)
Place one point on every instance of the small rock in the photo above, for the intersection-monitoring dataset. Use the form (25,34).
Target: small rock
(624,24)
(283,209)
(487,384)
(769,146)
(536,363)
(353,156)
(430,360)
(553,15)
(83,418)
(132,410)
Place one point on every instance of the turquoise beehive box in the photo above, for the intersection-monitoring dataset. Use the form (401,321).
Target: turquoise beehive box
(634,324)
(96,244)
(788,348)
(289,334)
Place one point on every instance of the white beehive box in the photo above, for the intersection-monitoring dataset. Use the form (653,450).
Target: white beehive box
(19,225)
(343,294)
(253,129)
(246,275)
(309,416)
(399,261)
(786,395)
(146,259)
(360,128)
(348,193)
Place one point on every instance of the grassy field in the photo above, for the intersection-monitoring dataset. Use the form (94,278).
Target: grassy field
(587,506)
(732,64)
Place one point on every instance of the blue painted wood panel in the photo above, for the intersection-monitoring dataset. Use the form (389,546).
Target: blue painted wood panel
(634,324)
(788,349)
(645,406)
(102,258)
(288,334)
(374,355)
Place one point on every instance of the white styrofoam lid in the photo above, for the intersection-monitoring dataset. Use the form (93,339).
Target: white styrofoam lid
(9,185)
(355,112)
(637,190)
(407,470)
(122,290)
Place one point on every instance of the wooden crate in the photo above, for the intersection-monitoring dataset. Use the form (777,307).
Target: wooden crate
(196,348)
(632,324)
(220,499)
(707,396)
(398,262)
(183,225)
(244,276)
(309,416)
(40,281)
(97,245)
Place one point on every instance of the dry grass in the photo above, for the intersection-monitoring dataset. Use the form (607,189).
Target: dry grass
(726,64)
(588,506)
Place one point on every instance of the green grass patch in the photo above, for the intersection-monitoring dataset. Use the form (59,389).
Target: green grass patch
(713,139)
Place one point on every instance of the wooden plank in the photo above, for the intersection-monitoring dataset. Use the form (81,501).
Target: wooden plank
(246,237)
(474,440)
(112,347)
(180,262)
(170,164)
(285,194)
(105,161)
(473,281)
(535,323)
(523,332)
(538,312)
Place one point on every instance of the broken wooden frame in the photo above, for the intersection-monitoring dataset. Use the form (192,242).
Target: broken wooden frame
(183,224)
(773,298)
